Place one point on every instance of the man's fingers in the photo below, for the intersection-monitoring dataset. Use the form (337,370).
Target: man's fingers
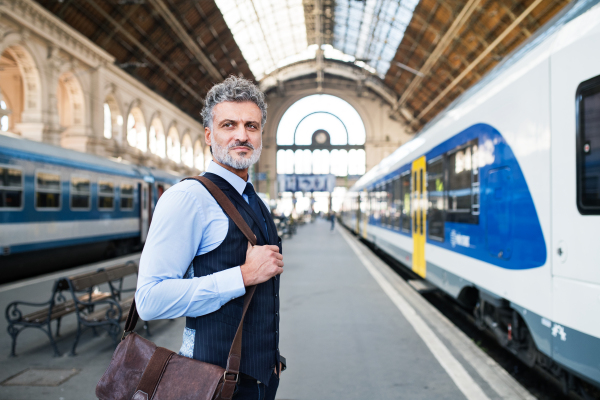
(272,248)
(278,256)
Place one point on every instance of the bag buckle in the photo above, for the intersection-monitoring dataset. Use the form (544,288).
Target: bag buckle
(225,374)
(125,334)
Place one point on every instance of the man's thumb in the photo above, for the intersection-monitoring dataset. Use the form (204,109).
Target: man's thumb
(249,248)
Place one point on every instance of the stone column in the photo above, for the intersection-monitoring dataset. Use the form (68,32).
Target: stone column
(51,70)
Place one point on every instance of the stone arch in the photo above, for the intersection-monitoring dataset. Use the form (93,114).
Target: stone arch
(187,151)
(173,144)
(198,155)
(156,137)
(114,118)
(136,129)
(71,105)
(24,94)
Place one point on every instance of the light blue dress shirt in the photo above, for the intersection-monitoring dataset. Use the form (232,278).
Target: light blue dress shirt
(187,222)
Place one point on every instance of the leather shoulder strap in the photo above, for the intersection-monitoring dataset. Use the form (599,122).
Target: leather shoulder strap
(227,207)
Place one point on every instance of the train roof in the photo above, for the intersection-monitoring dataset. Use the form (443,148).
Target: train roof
(570,12)
(35,151)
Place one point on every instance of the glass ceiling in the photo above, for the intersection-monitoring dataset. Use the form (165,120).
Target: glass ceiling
(372,30)
(272,33)
(266,31)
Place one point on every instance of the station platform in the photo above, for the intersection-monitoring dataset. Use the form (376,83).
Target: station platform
(351,328)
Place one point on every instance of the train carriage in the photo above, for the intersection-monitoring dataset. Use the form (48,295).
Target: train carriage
(497,201)
(55,202)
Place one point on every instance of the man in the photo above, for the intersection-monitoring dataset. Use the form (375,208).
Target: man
(196,262)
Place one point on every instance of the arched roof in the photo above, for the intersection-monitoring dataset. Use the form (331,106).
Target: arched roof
(426,52)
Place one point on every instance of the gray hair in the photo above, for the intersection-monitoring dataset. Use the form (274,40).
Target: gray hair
(233,89)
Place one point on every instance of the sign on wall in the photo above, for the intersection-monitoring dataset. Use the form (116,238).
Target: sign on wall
(306,183)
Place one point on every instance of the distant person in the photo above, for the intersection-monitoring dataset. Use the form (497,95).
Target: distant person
(332,220)
(197,263)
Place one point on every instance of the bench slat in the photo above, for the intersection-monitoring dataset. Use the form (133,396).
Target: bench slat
(100,315)
(121,271)
(88,280)
(61,309)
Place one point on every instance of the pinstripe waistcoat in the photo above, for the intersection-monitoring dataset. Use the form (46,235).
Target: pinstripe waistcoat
(214,332)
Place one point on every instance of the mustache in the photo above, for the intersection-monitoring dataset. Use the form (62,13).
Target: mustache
(239,143)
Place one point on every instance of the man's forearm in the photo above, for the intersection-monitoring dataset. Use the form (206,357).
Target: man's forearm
(173,298)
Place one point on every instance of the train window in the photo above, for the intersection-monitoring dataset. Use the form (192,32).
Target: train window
(47,190)
(436,193)
(588,147)
(397,198)
(80,193)
(388,203)
(378,200)
(405,188)
(463,186)
(11,188)
(106,195)
(126,197)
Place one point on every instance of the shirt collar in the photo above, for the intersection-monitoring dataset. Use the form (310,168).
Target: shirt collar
(238,183)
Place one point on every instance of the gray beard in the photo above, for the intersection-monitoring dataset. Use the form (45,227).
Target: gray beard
(222,155)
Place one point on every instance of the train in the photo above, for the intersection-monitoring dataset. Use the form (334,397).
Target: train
(60,208)
(496,201)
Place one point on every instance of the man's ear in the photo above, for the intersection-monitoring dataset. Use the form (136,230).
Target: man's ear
(207,135)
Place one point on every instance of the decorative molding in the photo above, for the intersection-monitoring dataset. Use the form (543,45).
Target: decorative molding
(352,72)
(34,18)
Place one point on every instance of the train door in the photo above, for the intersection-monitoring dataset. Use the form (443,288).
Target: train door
(419,204)
(144,192)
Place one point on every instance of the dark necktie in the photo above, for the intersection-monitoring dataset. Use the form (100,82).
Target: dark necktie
(253,202)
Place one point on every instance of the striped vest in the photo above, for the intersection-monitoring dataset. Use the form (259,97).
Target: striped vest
(214,332)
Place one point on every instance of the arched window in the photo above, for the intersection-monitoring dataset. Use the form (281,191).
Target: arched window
(3,118)
(198,156)
(113,120)
(328,137)
(187,153)
(156,138)
(21,89)
(107,122)
(173,147)
(136,129)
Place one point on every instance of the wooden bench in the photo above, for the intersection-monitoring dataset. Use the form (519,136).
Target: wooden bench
(83,302)
(91,313)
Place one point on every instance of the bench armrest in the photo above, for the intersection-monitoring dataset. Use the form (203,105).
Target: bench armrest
(13,314)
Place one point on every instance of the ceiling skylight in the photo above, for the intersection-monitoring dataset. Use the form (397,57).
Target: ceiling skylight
(272,33)
(372,30)
(267,31)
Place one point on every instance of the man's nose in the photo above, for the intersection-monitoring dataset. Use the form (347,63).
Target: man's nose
(241,133)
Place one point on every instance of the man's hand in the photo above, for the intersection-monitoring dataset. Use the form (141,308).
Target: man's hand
(262,263)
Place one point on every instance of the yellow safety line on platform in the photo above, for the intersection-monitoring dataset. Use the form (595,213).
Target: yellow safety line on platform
(451,365)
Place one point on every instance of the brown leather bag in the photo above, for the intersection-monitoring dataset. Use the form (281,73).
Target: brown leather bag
(139,370)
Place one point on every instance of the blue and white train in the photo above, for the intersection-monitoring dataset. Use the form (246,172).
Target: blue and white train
(59,207)
(497,200)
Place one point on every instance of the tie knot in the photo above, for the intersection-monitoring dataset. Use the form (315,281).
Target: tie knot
(249,191)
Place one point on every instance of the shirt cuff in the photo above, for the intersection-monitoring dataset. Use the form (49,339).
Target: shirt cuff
(230,284)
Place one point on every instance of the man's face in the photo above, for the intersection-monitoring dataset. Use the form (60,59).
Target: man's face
(236,137)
